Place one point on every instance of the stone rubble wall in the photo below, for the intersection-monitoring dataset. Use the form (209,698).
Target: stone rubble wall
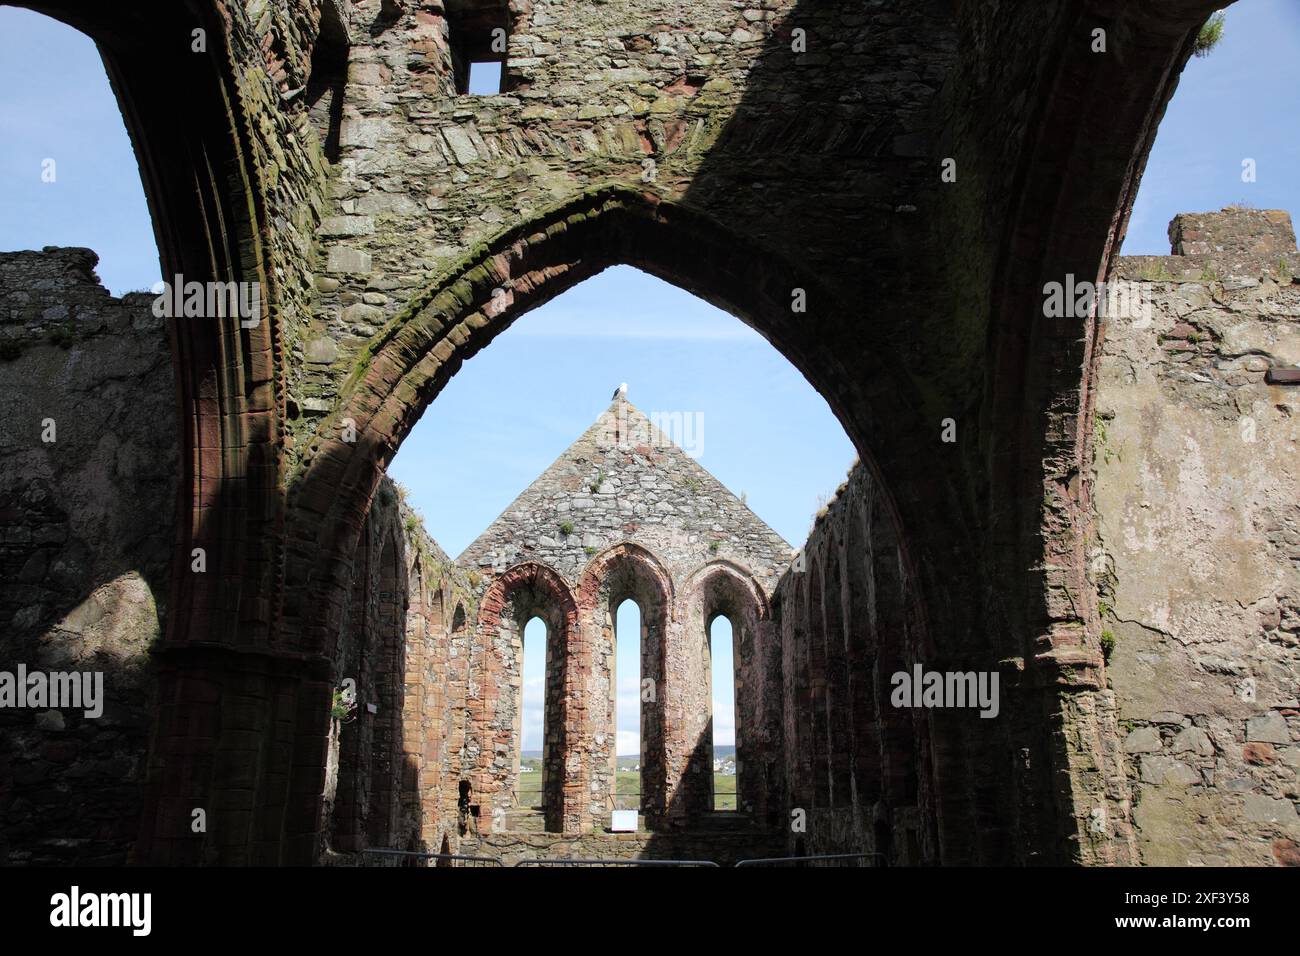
(1196,568)
(639,487)
(85,557)
(1197,565)
(392,775)
(276,47)
(856,769)
(442,602)
(85,548)
(724,848)
(622,513)
(377,269)
(745,133)
(440,196)
(372,654)
(595,92)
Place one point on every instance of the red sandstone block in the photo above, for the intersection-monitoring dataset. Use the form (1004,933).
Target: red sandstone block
(261,365)
(1258,753)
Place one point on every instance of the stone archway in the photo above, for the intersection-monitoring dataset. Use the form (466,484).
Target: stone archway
(201,162)
(1049,140)
(953,295)
(630,572)
(409,362)
(1075,180)
(496,673)
(725,589)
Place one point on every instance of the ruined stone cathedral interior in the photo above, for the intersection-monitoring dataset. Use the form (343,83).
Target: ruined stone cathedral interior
(1070,508)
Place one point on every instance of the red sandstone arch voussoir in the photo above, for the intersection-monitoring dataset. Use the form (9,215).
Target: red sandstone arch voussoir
(1078,176)
(735,576)
(197,149)
(550,597)
(529,574)
(595,574)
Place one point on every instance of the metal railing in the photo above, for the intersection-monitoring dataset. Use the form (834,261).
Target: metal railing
(392,858)
(561,861)
(395,858)
(827,859)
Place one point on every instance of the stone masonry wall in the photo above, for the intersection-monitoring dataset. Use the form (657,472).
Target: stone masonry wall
(706,105)
(623,513)
(640,131)
(85,546)
(442,600)
(722,847)
(857,769)
(635,92)
(392,772)
(625,480)
(1198,559)
(84,556)
(697,141)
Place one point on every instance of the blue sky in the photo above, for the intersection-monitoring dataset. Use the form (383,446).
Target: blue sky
(513,409)
(1242,101)
(55,103)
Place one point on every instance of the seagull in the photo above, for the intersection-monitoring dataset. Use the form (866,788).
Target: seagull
(620,392)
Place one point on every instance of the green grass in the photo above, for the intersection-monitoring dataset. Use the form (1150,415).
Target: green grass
(627,788)
(724,792)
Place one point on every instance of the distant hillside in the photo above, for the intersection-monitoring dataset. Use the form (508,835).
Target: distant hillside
(627,761)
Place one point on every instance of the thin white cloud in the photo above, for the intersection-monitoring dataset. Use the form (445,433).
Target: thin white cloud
(577,325)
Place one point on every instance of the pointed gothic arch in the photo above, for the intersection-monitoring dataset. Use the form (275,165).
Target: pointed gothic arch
(407,364)
(724,588)
(629,571)
(520,593)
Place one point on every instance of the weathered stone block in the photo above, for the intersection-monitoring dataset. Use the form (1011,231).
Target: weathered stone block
(342,259)
(321,351)
(1144,740)
(1270,728)
(1194,739)
(1261,809)
(347,226)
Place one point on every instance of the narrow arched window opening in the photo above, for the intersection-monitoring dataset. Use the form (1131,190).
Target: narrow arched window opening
(531,732)
(723,723)
(628,736)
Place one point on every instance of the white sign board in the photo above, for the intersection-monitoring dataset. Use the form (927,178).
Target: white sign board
(623,821)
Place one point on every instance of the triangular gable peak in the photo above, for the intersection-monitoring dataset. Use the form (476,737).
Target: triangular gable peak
(625,480)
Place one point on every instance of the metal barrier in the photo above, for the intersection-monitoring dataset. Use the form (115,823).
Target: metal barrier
(395,858)
(413,858)
(560,861)
(830,859)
